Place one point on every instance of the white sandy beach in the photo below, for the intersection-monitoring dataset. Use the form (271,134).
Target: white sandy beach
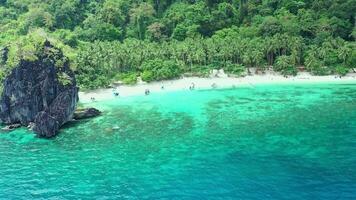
(206,83)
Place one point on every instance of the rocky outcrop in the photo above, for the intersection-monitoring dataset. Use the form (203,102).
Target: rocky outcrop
(42,91)
(86,113)
(11,127)
(48,122)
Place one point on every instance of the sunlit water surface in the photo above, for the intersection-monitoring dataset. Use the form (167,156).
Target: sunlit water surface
(266,142)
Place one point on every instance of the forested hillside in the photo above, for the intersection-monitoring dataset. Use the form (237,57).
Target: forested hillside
(109,40)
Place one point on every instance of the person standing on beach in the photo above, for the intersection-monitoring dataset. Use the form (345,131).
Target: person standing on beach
(192,86)
(115,93)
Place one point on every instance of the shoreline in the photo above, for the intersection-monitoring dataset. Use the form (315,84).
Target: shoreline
(207,83)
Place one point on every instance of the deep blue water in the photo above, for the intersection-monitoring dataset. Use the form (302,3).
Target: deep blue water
(267,142)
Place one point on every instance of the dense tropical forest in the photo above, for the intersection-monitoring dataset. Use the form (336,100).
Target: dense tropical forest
(111,40)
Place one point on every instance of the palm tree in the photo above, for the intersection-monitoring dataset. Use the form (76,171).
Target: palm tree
(296,47)
(269,49)
(344,53)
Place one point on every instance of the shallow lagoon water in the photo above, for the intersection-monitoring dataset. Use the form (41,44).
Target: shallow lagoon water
(266,142)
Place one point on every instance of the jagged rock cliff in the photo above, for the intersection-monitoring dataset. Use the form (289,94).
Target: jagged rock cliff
(42,91)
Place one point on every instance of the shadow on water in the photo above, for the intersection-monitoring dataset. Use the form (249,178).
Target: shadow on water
(74,123)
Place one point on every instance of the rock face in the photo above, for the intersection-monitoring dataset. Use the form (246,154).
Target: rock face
(86,113)
(3,55)
(43,91)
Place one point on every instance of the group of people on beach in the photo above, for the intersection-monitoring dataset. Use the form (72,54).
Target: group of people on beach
(148,92)
(115,92)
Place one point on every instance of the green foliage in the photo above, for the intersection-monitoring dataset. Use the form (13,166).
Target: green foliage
(64,79)
(285,65)
(270,26)
(158,69)
(341,70)
(147,75)
(25,48)
(95,29)
(127,78)
(140,15)
(108,40)
(236,69)
(315,65)
(351,61)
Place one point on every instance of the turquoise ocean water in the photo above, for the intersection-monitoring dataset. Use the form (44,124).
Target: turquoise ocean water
(266,142)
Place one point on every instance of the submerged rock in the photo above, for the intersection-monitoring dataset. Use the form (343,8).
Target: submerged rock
(86,113)
(42,91)
(11,127)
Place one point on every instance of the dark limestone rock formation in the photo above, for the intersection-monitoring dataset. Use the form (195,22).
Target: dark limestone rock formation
(48,122)
(43,91)
(86,113)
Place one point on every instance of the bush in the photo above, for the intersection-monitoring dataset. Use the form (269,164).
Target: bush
(285,65)
(147,76)
(331,59)
(341,70)
(236,69)
(130,80)
(67,37)
(199,70)
(127,78)
(158,69)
